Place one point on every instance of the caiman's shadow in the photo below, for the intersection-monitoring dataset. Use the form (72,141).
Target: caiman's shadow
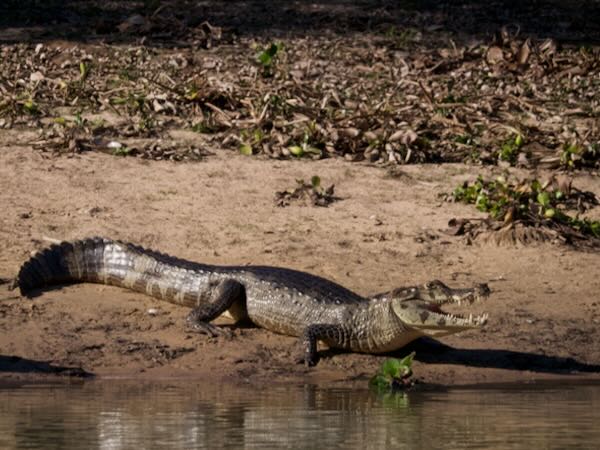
(16,364)
(434,352)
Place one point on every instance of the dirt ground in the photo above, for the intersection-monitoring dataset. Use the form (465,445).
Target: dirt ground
(382,233)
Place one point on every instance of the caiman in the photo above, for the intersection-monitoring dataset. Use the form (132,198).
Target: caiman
(282,300)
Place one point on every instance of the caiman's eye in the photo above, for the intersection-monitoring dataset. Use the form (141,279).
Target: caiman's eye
(434,284)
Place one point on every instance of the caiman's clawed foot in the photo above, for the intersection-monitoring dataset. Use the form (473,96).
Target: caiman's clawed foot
(304,357)
(206,328)
(311,360)
(314,333)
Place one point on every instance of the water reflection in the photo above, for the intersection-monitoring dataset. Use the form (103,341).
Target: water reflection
(124,415)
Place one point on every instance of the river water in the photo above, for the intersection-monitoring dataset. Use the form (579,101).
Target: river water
(187,415)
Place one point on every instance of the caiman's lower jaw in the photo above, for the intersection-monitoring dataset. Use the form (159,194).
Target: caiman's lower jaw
(431,320)
(444,319)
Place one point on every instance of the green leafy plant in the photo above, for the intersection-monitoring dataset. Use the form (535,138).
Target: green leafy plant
(129,73)
(315,182)
(509,150)
(246,149)
(135,103)
(84,71)
(305,148)
(575,156)
(123,151)
(250,140)
(268,57)
(30,107)
(79,120)
(393,374)
(313,193)
(530,202)
(401,38)
(465,139)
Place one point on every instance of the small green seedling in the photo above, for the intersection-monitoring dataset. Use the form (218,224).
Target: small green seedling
(268,56)
(305,148)
(251,140)
(123,151)
(312,192)
(30,107)
(84,71)
(79,120)
(246,149)
(510,149)
(315,181)
(576,156)
(394,374)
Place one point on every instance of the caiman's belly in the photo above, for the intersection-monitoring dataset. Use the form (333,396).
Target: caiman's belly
(292,315)
(377,344)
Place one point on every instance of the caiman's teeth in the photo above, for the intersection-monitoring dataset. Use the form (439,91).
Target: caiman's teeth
(481,320)
(470,320)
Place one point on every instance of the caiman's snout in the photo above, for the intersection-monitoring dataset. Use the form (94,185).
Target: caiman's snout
(437,292)
(420,308)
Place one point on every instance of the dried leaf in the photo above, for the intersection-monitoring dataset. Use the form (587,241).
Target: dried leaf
(494,55)
(524,52)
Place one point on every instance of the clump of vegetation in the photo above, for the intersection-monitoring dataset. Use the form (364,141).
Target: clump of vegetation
(574,156)
(309,144)
(509,151)
(268,57)
(207,125)
(251,140)
(312,193)
(30,107)
(551,208)
(394,374)
(123,151)
(401,38)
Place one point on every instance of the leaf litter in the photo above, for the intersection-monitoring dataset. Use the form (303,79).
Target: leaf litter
(386,95)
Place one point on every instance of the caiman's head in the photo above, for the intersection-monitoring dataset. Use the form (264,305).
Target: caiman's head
(420,308)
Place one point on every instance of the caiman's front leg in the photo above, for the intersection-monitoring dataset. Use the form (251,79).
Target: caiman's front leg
(222,297)
(319,332)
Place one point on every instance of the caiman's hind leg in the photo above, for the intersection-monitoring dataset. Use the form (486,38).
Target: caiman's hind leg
(319,332)
(223,296)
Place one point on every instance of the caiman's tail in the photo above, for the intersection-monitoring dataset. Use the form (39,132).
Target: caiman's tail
(67,262)
(99,260)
